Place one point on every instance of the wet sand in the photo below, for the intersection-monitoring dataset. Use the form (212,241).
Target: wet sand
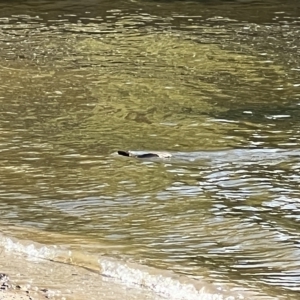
(11,291)
(20,295)
(30,278)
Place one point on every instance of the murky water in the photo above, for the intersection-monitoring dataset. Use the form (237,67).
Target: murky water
(216,83)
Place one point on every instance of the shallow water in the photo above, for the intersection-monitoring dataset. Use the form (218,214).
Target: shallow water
(215,83)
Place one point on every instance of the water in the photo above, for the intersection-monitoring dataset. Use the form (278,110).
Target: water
(215,83)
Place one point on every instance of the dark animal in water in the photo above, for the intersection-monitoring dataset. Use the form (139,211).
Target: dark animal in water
(145,155)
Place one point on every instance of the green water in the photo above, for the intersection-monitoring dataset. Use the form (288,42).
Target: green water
(81,81)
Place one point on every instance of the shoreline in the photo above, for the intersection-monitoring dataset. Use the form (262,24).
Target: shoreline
(24,277)
(40,271)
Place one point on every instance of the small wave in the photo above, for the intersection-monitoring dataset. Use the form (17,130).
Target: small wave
(167,286)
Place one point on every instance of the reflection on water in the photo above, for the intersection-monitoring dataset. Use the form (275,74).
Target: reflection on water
(80,84)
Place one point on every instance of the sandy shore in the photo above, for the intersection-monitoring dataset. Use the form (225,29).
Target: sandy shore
(18,295)
(31,278)
(11,291)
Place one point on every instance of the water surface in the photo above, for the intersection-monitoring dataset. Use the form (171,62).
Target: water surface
(81,81)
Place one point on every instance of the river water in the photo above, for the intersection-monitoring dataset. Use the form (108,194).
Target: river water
(214,82)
